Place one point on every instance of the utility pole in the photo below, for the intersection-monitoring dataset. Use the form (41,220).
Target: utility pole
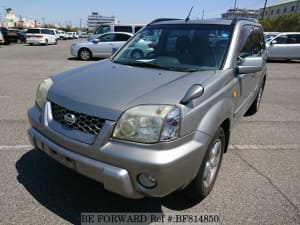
(234,7)
(203,14)
(263,14)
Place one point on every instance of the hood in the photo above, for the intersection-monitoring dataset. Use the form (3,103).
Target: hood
(105,89)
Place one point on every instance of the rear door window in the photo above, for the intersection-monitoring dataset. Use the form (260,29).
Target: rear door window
(121,37)
(107,38)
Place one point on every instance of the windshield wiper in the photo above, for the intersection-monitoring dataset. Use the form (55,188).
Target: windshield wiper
(149,65)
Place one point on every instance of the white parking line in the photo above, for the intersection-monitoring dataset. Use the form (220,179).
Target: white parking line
(265,147)
(7,147)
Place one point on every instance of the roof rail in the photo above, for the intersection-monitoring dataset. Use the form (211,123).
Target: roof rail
(162,20)
(238,18)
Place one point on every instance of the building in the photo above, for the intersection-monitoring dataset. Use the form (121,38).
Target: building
(233,13)
(279,8)
(12,21)
(96,19)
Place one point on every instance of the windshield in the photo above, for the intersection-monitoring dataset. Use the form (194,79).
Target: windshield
(179,47)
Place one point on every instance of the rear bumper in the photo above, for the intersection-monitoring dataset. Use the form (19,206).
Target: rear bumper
(35,41)
(117,164)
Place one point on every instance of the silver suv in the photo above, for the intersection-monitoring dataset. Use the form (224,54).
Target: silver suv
(156,122)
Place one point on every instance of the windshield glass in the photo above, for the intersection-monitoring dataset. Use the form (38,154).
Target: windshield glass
(179,47)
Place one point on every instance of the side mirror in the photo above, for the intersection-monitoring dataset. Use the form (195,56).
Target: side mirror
(195,91)
(96,40)
(273,42)
(250,65)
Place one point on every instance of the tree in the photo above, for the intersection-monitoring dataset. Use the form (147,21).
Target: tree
(284,23)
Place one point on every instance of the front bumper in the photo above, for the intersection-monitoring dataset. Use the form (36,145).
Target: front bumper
(117,164)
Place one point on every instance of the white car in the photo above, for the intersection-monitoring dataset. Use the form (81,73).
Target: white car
(284,46)
(72,35)
(56,33)
(102,46)
(69,35)
(62,34)
(41,36)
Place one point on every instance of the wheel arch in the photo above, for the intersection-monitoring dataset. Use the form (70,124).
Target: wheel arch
(85,48)
(219,115)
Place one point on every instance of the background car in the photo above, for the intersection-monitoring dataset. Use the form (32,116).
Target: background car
(40,36)
(62,34)
(1,38)
(104,28)
(270,35)
(102,46)
(83,35)
(21,36)
(56,33)
(284,46)
(9,35)
(71,35)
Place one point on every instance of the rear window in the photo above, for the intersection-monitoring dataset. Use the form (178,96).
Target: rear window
(34,31)
(123,29)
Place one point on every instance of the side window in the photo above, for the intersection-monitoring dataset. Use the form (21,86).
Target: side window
(251,42)
(103,29)
(123,29)
(107,38)
(297,38)
(281,39)
(293,39)
(121,37)
(137,28)
(45,32)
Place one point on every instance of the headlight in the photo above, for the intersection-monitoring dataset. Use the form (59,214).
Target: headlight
(42,91)
(149,124)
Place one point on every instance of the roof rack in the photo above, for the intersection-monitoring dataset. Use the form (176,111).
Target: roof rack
(162,20)
(238,18)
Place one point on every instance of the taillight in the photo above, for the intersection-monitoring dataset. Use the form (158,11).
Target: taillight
(151,45)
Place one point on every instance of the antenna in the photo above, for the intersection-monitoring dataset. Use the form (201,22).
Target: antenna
(188,17)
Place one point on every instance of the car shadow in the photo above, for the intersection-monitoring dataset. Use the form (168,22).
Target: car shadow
(77,59)
(287,61)
(68,194)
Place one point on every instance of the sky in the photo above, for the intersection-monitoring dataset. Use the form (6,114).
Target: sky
(62,12)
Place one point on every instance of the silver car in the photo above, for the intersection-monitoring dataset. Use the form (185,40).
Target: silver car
(284,46)
(102,46)
(160,122)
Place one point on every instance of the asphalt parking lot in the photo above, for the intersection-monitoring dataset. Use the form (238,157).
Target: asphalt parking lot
(259,180)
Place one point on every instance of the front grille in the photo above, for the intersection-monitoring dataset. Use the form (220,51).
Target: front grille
(83,122)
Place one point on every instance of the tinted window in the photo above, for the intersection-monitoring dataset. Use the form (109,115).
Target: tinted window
(281,39)
(251,41)
(121,37)
(293,39)
(34,31)
(137,28)
(178,47)
(45,32)
(123,29)
(103,29)
(107,38)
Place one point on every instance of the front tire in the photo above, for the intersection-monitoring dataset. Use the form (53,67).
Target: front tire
(85,54)
(137,54)
(206,177)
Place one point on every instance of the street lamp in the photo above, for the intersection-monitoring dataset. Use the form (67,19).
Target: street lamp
(80,23)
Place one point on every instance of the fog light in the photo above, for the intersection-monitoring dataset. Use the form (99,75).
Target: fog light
(147,180)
